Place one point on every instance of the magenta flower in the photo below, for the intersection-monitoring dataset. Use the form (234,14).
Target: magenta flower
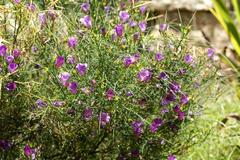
(156,123)
(87,114)
(124,16)
(86,21)
(82,68)
(104,118)
(210,52)
(73,87)
(42,19)
(188,59)
(64,77)
(184,99)
(12,67)
(3,50)
(59,61)
(31,7)
(143,9)
(72,42)
(9,59)
(135,153)
(110,94)
(163,27)
(171,157)
(159,56)
(142,26)
(85,7)
(119,29)
(27,151)
(132,23)
(11,86)
(144,75)
(137,127)
(16,53)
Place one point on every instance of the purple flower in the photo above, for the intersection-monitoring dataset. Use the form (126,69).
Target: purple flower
(159,56)
(3,50)
(136,36)
(107,9)
(175,87)
(27,150)
(132,23)
(16,53)
(162,76)
(137,127)
(64,77)
(210,52)
(124,16)
(5,144)
(122,5)
(188,59)
(135,153)
(87,114)
(129,94)
(34,49)
(182,71)
(177,109)
(58,103)
(163,27)
(73,87)
(59,61)
(12,67)
(128,61)
(103,31)
(114,36)
(82,68)
(31,7)
(9,59)
(72,42)
(184,99)
(85,7)
(86,21)
(171,157)
(156,123)
(71,59)
(17,1)
(144,75)
(52,14)
(170,97)
(11,86)
(142,26)
(104,118)
(119,29)
(164,110)
(110,94)
(143,9)
(181,115)
(40,103)
(42,19)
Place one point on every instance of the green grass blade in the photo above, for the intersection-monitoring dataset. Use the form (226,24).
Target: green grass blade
(236,7)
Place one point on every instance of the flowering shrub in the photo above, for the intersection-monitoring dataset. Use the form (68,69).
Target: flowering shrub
(88,85)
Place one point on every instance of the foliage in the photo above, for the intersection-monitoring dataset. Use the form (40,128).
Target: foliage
(78,81)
